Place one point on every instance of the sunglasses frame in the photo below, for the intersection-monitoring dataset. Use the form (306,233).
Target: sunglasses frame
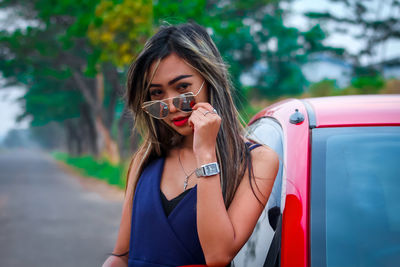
(148,103)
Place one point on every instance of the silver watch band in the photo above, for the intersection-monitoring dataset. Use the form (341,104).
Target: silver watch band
(209,169)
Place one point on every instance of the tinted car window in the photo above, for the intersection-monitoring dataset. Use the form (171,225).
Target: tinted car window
(268,132)
(355,197)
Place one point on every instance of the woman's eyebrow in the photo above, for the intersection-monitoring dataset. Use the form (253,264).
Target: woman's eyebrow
(155,85)
(178,78)
(171,81)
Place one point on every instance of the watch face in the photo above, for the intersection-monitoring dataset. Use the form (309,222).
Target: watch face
(208,169)
(211,169)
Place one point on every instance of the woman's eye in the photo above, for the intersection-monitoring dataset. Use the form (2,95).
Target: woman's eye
(184,86)
(156,92)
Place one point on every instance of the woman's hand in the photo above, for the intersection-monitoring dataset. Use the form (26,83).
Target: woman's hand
(114,261)
(205,124)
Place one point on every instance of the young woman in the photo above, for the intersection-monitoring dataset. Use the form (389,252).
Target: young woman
(196,186)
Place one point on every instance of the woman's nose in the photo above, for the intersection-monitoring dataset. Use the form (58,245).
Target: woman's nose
(171,106)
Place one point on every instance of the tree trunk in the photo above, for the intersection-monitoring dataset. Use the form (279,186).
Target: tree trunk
(105,144)
(74,144)
(112,76)
(105,140)
(90,129)
(128,138)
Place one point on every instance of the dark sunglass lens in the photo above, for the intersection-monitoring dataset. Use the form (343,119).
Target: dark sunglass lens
(157,109)
(184,102)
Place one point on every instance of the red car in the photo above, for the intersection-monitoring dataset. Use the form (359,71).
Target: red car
(336,199)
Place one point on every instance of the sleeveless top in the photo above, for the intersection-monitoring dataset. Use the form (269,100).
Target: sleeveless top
(169,205)
(157,239)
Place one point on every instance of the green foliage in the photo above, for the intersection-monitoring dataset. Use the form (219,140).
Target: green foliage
(325,87)
(250,32)
(100,169)
(365,85)
(56,62)
(373,84)
(178,11)
(33,61)
(120,28)
(84,36)
(373,29)
(369,84)
(48,56)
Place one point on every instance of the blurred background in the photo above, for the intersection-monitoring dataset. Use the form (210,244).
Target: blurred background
(63,70)
(63,63)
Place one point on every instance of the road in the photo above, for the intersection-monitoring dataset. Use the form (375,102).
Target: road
(47,218)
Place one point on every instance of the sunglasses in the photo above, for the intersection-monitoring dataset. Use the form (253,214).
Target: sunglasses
(159,109)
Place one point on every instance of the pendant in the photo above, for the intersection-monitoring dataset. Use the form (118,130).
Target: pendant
(185,183)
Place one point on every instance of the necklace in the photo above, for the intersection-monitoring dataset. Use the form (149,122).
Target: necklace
(185,183)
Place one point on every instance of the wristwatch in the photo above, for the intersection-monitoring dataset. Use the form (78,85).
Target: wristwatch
(209,169)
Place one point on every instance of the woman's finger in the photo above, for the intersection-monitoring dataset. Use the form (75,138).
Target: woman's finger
(202,110)
(204,105)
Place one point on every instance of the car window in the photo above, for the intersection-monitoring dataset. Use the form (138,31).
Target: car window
(355,197)
(265,131)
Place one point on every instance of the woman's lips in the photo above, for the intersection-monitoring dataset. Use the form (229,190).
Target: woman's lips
(180,121)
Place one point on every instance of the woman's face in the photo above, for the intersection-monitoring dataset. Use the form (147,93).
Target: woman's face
(172,78)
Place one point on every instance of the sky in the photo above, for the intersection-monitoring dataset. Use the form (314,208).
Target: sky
(10,108)
(381,8)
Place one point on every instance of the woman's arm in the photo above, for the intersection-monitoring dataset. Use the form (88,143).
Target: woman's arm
(114,261)
(222,233)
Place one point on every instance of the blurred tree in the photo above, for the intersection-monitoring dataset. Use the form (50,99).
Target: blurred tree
(369,84)
(281,49)
(17,138)
(365,84)
(120,28)
(72,60)
(48,136)
(59,45)
(373,22)
(30,57)
(250,35)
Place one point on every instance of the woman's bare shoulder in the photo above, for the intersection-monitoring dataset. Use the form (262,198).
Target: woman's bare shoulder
(265,162)
(264,168)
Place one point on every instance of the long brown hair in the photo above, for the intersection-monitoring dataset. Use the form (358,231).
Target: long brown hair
(192,43)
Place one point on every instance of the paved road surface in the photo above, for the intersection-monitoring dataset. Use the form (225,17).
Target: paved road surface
(48,219)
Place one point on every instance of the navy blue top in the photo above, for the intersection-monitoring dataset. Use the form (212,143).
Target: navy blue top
(158,239)
(170,204)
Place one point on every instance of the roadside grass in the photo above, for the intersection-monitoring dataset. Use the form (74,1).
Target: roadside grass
(98,168)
